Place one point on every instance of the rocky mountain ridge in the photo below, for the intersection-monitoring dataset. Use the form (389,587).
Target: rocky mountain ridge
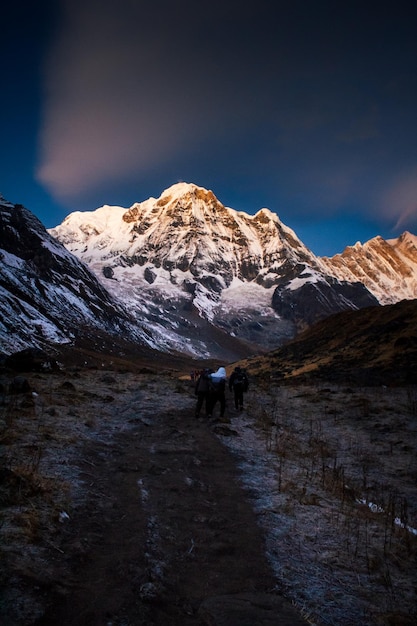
(185,256)
(47,295)
(183,274)
(388,268)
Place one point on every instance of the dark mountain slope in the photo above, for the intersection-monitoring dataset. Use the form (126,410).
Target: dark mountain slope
(372,346)
(47,295)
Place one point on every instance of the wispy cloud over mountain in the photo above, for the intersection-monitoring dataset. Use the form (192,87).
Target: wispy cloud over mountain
(126,89)
(307,109)
(401,199)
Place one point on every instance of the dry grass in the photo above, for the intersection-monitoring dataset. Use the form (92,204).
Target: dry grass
(344,465)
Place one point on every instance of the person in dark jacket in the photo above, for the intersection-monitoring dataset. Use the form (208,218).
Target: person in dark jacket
(239,384)
(202,389)
(216,393)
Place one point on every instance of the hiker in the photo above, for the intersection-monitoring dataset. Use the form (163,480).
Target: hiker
(216,393)
(202,391)
(239,383)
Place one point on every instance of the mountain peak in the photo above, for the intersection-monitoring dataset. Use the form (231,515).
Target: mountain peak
(185,194)
(187,244)
(387,267)
(408,237)
(181,188)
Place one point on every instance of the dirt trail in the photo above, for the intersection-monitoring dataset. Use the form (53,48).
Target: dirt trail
(118,508)
(168,536)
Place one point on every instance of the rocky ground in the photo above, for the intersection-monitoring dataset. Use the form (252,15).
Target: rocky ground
(119,508)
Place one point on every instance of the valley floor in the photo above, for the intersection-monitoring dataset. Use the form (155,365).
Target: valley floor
(120,508)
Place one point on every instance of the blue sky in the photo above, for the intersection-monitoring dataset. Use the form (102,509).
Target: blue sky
(307,108)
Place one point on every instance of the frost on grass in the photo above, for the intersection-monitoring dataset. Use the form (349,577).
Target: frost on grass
(331,474)
(43,438)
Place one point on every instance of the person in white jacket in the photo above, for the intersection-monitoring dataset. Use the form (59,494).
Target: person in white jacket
(217,391)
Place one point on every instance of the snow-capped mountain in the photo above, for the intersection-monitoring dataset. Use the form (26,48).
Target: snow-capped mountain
(47,295)
(388,268)
(183,273)
(188,260)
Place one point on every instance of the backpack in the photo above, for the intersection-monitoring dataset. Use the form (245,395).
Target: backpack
(241,380)
(203,382)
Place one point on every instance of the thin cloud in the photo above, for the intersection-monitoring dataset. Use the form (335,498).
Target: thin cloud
(290,104)
(399,201)
(122,97)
